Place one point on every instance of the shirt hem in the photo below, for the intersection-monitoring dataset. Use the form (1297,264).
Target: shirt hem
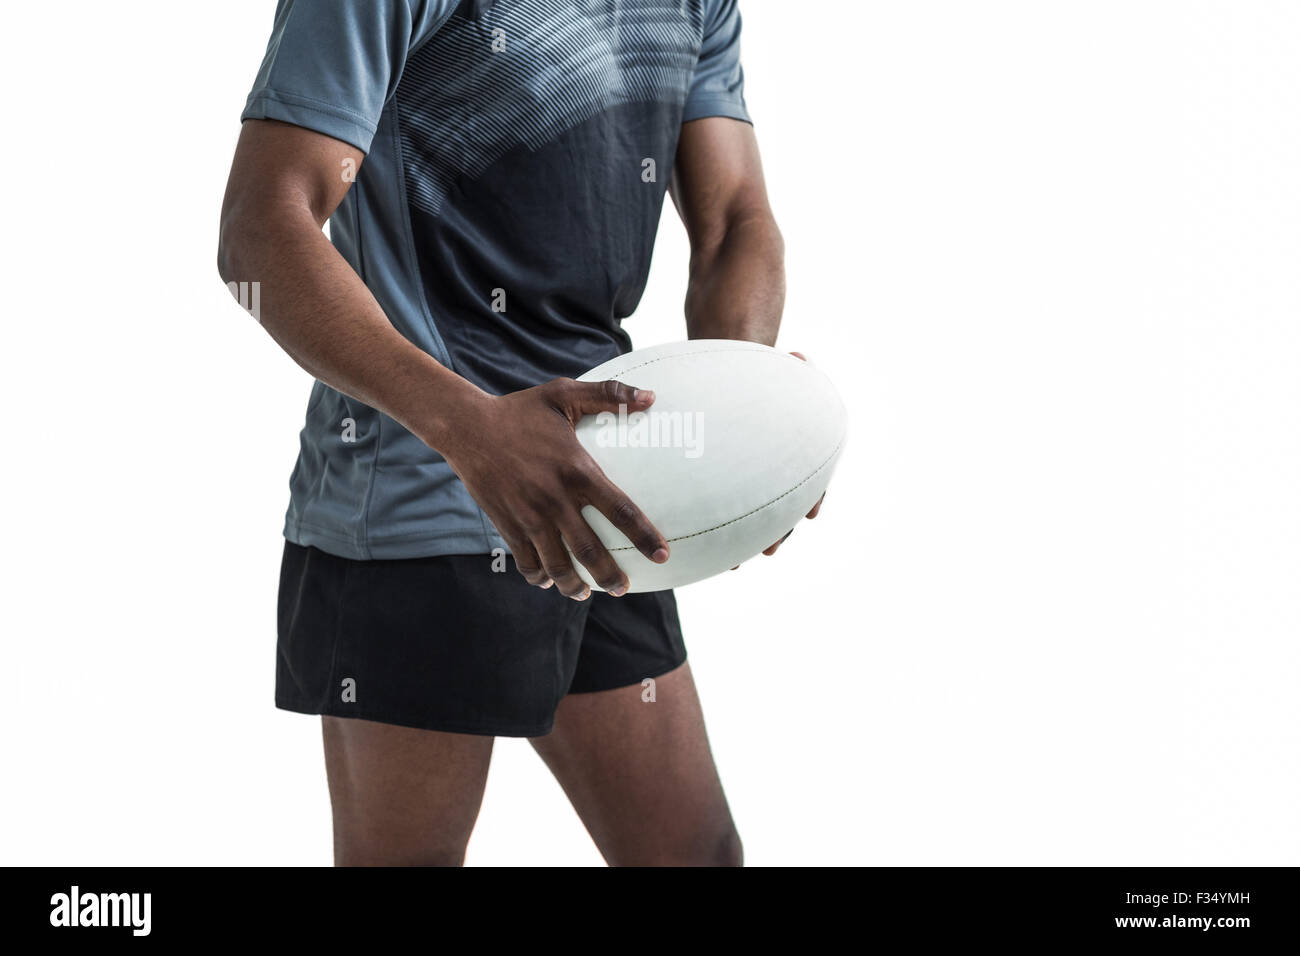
(312,114)
(419,544)
(702,107)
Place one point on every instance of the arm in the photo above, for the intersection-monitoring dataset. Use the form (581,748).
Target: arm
(737,281)
(284,184)
(516,454)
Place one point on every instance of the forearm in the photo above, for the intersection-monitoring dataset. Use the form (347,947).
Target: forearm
(737,285)
(320,312)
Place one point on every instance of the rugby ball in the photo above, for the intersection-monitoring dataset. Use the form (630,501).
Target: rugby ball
(739,445)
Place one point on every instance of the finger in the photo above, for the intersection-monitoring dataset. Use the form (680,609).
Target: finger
(624,515)
(527,563)
(593,555)
(817,507)
(558,567)
(772,550)
(589,398)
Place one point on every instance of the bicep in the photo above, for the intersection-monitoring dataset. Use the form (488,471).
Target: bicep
(279,165)
(717,178)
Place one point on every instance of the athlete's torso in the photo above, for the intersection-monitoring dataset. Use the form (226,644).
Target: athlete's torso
(504,215)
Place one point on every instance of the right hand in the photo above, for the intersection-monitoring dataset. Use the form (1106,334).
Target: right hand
(520,460)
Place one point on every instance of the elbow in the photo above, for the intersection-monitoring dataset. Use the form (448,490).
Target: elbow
(754,238)
(228,245)
(778,243)
(758,231)
(224,268)
(240,235)
(771,241)
(234,267)
(224,265)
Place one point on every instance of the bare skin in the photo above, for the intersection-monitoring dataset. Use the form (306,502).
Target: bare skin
(639,774)
(733,237)
(401,796)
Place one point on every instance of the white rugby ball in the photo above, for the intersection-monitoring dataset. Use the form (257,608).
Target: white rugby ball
(738,446)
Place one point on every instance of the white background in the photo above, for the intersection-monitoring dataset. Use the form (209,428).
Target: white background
(1049,252)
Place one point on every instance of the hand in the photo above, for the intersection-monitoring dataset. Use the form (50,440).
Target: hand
(812,514)
(816,508)
(520,460)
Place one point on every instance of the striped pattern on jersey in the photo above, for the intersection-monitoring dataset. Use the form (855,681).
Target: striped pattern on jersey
(461,106)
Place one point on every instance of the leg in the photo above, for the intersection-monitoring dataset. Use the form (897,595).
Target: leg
(641,775)
(379,647)
(400,796)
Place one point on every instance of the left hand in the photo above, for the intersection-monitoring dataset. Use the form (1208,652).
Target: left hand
(815,508)
(812,514)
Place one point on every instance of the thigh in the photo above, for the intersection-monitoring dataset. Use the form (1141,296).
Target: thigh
(641,776)
(402,796)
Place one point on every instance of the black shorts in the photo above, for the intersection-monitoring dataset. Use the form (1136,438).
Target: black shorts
(448,643)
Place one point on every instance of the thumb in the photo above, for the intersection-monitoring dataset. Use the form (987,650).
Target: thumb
(590,398)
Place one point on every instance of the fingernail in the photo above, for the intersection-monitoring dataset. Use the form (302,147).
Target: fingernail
(546,584)
(660,556)
(584,595)
(618,590)
(643,395)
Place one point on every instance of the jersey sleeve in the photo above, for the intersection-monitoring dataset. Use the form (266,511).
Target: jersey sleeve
(718,87)
(331,65)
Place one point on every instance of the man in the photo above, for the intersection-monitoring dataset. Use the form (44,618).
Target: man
(493,174)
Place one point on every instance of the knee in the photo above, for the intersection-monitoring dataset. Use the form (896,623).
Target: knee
(728,851)
(715,848)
